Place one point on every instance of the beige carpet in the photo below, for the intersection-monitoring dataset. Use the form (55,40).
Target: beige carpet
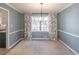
(39,48)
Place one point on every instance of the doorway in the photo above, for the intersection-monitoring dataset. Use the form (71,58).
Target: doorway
(4,30)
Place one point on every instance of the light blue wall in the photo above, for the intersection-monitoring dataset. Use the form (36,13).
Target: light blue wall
(39,34)
(16,20)
(68,21)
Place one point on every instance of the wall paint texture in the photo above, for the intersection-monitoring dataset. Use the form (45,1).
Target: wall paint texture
(16,22)
(68,21)
(40,34)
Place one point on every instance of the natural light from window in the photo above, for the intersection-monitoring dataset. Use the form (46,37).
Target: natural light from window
(39,24)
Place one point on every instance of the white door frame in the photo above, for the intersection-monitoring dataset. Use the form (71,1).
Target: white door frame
(7,28)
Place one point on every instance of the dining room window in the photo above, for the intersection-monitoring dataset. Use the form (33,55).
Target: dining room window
(39,24)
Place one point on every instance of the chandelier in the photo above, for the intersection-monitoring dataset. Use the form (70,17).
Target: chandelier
(40,19)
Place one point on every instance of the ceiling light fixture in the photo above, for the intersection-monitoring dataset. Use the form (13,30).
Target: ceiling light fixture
(41,12)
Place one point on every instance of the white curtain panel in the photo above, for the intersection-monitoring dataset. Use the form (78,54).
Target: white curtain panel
(27,22)
(53,27)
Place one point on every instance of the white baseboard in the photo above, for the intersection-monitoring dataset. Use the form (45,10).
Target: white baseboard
(41,38)
(69,47)
(15,43)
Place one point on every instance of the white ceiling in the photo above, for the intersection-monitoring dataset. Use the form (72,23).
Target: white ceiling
(36,7)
